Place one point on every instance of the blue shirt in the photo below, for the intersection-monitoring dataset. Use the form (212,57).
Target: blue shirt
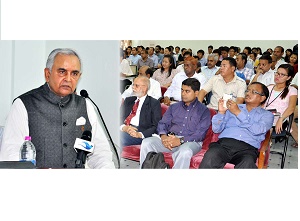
(191,122)
(134,59)
(250,127)
(160,57)
(154,59)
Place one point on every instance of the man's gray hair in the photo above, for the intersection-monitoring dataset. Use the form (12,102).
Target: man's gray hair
(215,56)
(146,81)
(63,51)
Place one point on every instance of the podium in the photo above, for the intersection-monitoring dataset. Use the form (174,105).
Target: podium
(16,165)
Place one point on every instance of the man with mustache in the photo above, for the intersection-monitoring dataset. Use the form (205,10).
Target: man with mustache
(140,114)
(54,116)
(242,128)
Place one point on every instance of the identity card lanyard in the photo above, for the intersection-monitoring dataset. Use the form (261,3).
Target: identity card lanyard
(268,104)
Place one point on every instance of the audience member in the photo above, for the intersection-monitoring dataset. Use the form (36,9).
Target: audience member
(177,53)
(153,56)
(294,61)
(128,52)
(241,70)
(180,57)
(174,91)
(250,62)
(264,73)
(166,73)
(224,83)
(154,90)
(201,59)
(144,60)
(242,128)
(294,130)
(283,97)
(218,52)
(139,114)
(279,51)
(134,57)
(182,128)
(209,51)
(159,54)
(180,67)
(224,52)
(232,52)
(211,68)
(288,53)
(125,70)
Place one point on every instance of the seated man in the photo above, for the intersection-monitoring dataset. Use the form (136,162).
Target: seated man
(139,114)
(264,73)
(242,128)
(225,83)
(182,128)
(154,90)
(174,91)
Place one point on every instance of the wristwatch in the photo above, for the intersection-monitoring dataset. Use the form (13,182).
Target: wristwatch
(181,140)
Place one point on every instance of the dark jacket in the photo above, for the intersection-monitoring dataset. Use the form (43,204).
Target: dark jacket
(149,116)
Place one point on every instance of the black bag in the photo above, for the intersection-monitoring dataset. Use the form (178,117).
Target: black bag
(155,161)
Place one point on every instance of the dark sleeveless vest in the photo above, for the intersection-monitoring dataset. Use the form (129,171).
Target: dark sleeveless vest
(52,126)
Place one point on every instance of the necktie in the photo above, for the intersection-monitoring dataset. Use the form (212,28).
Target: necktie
(132,113)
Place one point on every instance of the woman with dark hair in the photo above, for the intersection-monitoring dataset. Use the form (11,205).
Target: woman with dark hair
(283,97)
(293,61)
(166,73)
(288,53)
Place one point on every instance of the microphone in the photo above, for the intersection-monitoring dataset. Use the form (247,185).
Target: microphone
(85,94)
(83,147)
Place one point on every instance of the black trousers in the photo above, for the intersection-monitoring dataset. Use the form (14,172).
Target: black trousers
(229,150)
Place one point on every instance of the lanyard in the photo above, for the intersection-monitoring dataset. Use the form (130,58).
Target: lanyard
(268,104)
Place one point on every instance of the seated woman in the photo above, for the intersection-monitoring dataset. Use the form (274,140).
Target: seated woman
(283,97)
(293,61)
(166,73)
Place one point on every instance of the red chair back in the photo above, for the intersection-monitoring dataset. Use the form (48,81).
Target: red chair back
(163,90)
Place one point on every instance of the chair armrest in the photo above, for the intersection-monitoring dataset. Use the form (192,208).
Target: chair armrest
(265,145)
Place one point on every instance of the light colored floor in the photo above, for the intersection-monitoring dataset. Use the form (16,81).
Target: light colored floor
(291,161)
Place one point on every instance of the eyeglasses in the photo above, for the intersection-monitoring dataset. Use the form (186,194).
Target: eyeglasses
(281,75)
(254,92)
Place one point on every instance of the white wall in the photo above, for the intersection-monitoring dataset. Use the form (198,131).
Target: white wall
(195,45)
(22,66)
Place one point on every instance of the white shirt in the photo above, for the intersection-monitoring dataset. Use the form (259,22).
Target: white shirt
(266,78)
(125,67)
(208,73)
(180,68)
(295,79)
(154,90)
(16,128)
(175,88)
(135,121)
(280,62)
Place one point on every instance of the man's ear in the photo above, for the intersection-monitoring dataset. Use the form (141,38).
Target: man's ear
(196,93)
(47,74)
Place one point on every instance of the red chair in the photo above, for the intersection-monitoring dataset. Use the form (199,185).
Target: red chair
(262,161)
(163,90)
(132,152)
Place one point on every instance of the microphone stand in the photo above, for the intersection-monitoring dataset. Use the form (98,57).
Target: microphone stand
(110,139)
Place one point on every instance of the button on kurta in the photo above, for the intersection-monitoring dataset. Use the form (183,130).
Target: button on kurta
(65,145)
(65,124)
